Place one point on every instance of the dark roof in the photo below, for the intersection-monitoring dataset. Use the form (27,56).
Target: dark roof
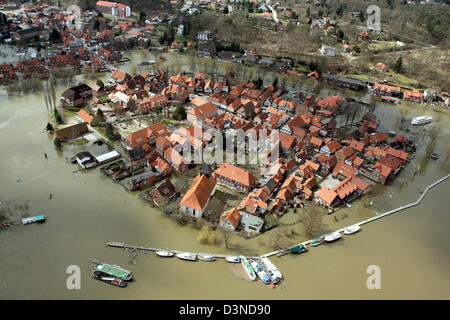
(206,169)
(74,92)
(166,188)
(136,153)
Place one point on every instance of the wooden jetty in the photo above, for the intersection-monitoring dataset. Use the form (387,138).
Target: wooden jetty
(142,248)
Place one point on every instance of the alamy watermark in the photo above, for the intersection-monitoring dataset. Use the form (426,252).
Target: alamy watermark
(236,146)
(74,279)
(373,18)
(374,280)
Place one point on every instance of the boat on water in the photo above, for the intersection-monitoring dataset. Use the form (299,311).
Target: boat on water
(233,259)
(164,253)
(299,248)
(40,218)
(207,258)
(274,279)
(352,229)
(108,279)
(187,256)
(332,237)
(434,156)
(260,272)
(248,268)
(316,243)
(274,270)
(421,120)
(112,270)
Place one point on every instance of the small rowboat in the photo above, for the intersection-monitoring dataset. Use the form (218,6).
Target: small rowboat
(207,258)
(316,243)
(164,253)
(187,256)
(233,259)
(109,279)
(29,220)
(332,237)
(352,229)
(299,248)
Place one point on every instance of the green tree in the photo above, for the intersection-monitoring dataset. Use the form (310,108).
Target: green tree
(57,116)
(398,65)
(55,36)
(109,131)
(275,82)
(57,143)
(100,84)
(49,127)
(180,113)
(142,16)
(225,10)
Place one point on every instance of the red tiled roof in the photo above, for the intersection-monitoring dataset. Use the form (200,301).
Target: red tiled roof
(198,194)
(236,174)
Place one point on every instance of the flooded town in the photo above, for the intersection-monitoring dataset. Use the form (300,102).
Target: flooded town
(144,154)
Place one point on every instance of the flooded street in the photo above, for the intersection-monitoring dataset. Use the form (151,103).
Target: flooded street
(85,209)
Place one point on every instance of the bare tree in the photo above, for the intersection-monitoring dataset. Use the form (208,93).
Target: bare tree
(311,219)
(225,236)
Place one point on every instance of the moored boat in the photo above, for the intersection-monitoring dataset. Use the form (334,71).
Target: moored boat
(274,270)
(207,258)
(421,120)
(40,218)
(299,248)
(248,268)
(316,243)
(332,237)
(274,279)
(112,270)
(164,253)
(233,259)
(109,279)
(187,256)
(260,272)
(352,229)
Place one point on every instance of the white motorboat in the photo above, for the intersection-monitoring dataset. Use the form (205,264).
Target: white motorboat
(260,272)
(187,256)
(274,270)
(274,279)
(316,243)
(233,259)
(332,237)
(421,120)
(207,258)
(164,253)
(352,229)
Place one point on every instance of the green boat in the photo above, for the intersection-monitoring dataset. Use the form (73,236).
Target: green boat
(112,270)
(298,248)
(248,268)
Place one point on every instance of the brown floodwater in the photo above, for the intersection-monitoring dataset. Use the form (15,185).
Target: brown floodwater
(85,209)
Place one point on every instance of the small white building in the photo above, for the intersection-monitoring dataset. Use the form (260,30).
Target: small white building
(251,223)
(327,51)
(204,35)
